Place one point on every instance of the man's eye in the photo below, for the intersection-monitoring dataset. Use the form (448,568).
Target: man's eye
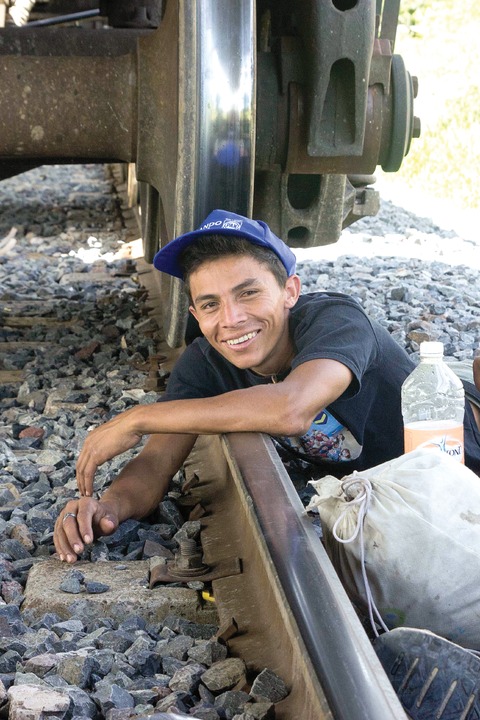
(249,293)
(209,306)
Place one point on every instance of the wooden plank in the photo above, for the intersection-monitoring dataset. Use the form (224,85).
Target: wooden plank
(24,345)
(16,321)
(10,377)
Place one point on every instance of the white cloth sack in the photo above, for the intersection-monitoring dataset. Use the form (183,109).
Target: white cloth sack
(421,542)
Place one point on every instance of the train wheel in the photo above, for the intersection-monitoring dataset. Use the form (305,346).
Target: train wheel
(216,133)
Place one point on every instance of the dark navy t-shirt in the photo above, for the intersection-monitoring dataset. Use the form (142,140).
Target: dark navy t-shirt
(360,429)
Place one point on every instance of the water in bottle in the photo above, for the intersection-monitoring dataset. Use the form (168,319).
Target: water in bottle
(433,404)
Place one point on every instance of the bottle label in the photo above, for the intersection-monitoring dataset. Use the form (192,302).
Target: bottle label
(446,436)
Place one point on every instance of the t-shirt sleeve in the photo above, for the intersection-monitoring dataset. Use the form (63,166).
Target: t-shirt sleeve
(336,329)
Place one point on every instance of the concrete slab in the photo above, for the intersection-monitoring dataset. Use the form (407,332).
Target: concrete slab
(129,593)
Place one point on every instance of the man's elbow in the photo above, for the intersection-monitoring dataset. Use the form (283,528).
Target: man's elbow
(294,424)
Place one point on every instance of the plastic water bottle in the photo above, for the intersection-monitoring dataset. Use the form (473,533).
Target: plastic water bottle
(433,404)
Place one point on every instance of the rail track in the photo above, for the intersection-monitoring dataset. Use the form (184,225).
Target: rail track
(280,604)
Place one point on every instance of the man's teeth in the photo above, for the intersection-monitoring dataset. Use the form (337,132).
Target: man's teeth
(242,339)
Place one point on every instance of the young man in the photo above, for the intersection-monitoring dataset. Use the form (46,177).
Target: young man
(313,371)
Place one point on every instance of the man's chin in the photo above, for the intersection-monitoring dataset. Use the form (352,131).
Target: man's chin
(243,360)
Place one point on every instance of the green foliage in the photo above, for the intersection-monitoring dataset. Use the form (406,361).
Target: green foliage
(438,40)
(412,14)
(444,160)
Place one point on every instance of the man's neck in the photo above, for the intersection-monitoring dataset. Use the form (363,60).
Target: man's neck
(279,371)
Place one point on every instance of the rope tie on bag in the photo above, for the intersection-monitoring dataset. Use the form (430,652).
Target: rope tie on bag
(362,499)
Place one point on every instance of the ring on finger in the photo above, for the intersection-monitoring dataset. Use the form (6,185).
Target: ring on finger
(67,515)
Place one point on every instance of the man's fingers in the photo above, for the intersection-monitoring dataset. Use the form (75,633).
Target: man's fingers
(86,468)
(101,445)
(107,525)
(68,542)
(78,524)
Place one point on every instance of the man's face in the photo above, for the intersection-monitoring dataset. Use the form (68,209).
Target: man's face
(243,312)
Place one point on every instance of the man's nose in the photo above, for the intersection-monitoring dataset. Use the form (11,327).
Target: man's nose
(232,313)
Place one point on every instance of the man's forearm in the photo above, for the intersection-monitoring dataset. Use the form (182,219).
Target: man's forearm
(285,408)
(257,409)
(143,482)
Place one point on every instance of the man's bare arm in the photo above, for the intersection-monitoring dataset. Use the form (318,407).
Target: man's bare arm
(136,492)
(286,408)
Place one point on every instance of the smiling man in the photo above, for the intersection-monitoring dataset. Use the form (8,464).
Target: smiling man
(313,371)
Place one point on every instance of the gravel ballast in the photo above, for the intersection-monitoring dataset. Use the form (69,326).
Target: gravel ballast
(84,354)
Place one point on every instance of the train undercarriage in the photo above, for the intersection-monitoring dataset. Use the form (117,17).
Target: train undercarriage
(276,110)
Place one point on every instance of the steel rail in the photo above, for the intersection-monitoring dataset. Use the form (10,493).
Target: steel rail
(287,604)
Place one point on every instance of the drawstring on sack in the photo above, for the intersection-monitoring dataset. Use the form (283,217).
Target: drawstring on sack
(362,499)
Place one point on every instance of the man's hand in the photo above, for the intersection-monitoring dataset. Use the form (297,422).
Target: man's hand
(79,523)
(102,444)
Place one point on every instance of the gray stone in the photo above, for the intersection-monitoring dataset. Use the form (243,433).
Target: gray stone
(27,678)
(12,592)
(22,534)
(197,630)
(90,639)
(8,493)
(71,585)
(144,697)
(224,675)
(124,534)
(206,714)
(71,625)
(36,701)
(82,706)
(172,702)
(187,678)
(14,549)
(269,685)
(143,658)
(208,652)
(95,587)
(259,711)
(190,529)
(117,640)
(51,457)
(170,665)
(8,661)
(177,648)
(232,702)
(76,667)
(170,514)
(41,664)
(109,696)
(104,660)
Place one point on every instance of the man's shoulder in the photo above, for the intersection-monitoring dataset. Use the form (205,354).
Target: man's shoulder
(323,301)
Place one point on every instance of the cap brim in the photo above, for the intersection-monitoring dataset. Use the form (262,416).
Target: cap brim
(167,259)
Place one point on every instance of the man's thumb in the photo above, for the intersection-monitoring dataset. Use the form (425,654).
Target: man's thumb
(108,525)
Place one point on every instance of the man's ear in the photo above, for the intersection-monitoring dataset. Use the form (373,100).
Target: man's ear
(292,290)
(192,310)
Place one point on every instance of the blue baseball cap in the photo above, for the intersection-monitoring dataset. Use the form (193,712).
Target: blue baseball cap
(221,222)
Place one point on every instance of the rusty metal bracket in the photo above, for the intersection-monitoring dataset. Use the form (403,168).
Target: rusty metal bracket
(161,574)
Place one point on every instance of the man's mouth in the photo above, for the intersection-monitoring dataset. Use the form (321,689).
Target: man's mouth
(242,339)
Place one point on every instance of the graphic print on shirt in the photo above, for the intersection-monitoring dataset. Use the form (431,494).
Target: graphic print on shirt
(327,439)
